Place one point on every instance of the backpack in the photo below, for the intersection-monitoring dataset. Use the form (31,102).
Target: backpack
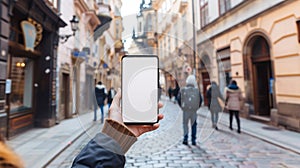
(190,99)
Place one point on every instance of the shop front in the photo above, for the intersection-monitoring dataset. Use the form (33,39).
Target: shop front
(31,66)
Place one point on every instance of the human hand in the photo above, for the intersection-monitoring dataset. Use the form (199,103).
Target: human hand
(116,114)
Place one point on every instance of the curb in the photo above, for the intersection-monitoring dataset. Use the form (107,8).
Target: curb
(51,156)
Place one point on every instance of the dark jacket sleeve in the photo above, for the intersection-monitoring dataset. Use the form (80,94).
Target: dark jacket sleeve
(102,151)
(179,98)
(200,103)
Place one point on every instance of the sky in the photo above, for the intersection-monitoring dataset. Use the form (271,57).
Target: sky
(129,10)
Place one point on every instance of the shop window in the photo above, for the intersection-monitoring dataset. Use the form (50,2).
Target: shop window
(22,78)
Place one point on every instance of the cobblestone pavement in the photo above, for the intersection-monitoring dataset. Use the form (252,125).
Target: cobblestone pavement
(164,148)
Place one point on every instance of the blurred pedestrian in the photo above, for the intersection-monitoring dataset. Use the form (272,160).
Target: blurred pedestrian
(176,91)
(233,103)
(111,94)
(190,100)
(107,148)
(8,158)
(170,93)
(159,91)
(101,94)
(213,95)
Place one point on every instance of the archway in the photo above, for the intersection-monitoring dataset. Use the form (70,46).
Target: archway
(258,73)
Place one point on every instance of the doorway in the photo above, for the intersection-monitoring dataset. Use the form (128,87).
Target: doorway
(258,73)
(262,95)
(65,99)
(205,83)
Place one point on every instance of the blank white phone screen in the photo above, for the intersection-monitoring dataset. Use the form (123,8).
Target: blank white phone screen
(139,89)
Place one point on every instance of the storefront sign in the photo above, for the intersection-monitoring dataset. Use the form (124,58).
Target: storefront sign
(32,32)
(8,86)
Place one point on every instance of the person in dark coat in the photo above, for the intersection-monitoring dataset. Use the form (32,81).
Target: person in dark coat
(101,94)
(111,94)
(170,93)
(213,96)
(176,91)
(107,148)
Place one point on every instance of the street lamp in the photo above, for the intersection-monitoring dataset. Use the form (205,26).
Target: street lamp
(74,27)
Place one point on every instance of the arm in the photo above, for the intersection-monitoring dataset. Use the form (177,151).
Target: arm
(108,154)
(107,149)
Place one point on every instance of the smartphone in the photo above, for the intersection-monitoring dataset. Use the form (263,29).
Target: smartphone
(140,82)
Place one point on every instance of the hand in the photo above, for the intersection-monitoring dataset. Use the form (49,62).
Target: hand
(115,114)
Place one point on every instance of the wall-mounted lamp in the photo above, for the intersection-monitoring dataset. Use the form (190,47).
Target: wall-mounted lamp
(74,26)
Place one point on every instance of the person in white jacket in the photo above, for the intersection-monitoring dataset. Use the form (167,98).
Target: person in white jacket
(233,103)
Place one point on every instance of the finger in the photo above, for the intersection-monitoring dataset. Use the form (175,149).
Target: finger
(160,117)
(160,105)
(149,128)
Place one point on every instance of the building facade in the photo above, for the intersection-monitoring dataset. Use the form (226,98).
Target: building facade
(253,45)
(174,35)
(29,45)
(110,43)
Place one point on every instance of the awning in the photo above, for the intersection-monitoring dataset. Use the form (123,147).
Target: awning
(105,23)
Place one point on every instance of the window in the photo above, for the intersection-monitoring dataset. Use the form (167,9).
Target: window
(224,66)
(224,6)
(22,78)
(117,29)
(54,3)
(204,12)
(149,23)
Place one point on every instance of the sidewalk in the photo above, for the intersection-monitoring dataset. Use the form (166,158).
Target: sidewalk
(39,146)
(280,137)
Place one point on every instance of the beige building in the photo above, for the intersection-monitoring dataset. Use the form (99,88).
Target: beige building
(88,55)
(255,43)
(173,33)
(110,43)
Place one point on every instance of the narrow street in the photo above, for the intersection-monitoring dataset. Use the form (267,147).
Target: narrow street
(164,148)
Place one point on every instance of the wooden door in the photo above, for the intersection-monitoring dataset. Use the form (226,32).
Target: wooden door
(262,94)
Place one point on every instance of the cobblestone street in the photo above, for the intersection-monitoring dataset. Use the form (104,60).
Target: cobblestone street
(164,148)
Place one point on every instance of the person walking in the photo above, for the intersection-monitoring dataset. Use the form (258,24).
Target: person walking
(101,94)
(233,103)
(111,94)
(176,91)
(213,95)
(190,100)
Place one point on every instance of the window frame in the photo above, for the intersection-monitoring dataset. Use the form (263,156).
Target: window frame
(226,6)
(204,17)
